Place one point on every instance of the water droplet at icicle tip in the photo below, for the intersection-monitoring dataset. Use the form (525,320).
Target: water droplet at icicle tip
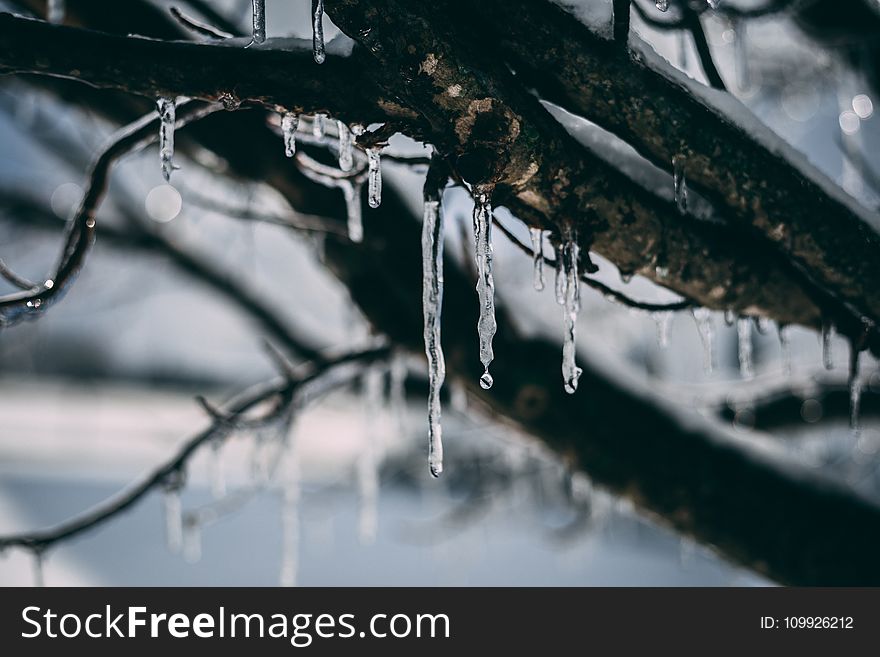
(167,118)
(432,305)
(486,324)
(289,125)
(318,31)
(259,15)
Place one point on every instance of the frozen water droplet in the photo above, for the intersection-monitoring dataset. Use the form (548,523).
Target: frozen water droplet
(374,184)
(744,342)
(827,353)
(855,389)
(167,118)
(55,11)
(289,124)
(570,261)
(664,321)
(259,12)
(486,381)
(346,146)
(319,125)
(537,236)
(662,5)
(486,325)
(318,31)
(706,328)
(679,183)
(432,305)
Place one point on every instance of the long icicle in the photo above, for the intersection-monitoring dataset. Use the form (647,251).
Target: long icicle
(827,354)
(744,343)
(559,282)
(855,389)
(537,236)
(318,31)
(259,21)
(432,306)
(352,193)
(374,184)
(571,257)
(167,117)
(486,325)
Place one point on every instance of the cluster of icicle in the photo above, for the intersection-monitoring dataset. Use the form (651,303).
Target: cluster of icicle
(259,35)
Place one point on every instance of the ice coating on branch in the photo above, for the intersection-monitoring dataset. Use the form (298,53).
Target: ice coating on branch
(571,257)
(486,325)
(318,125)
(744,344)
(537,236)
(559,282)
(432,305)
(167,117)
(289,124)
(785,346)
(706,328)
(374,184)
(664,321)
(855,389)
(318,31)
(55,11)
(346,146)
(352,193)
(259,21)
(827,354)
(679,184)
(662,5)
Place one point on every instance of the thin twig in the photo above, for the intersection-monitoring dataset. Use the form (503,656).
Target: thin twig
(199,27)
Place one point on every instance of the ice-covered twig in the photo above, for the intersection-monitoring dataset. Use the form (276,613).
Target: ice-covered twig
(199,27)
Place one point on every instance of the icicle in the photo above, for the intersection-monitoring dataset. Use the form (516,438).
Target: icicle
(785,346)
(167,117)
(662,5)
(744,342)
(352,193)
(827,354)
(289,124)
(374,184)
(290,531)
(560,276)
(217,474)
(679,184)
(318,31)
(570,371)
(397,391)
(39,555)
(729,317)
(55,11)
(318,125)
(763,325)
(368,462)
(173,514)
(432,304)
(855,389)
(703,318)
(537,236)
(346,146)
(259,21)
(663,320)
(486,326)
(192,540)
